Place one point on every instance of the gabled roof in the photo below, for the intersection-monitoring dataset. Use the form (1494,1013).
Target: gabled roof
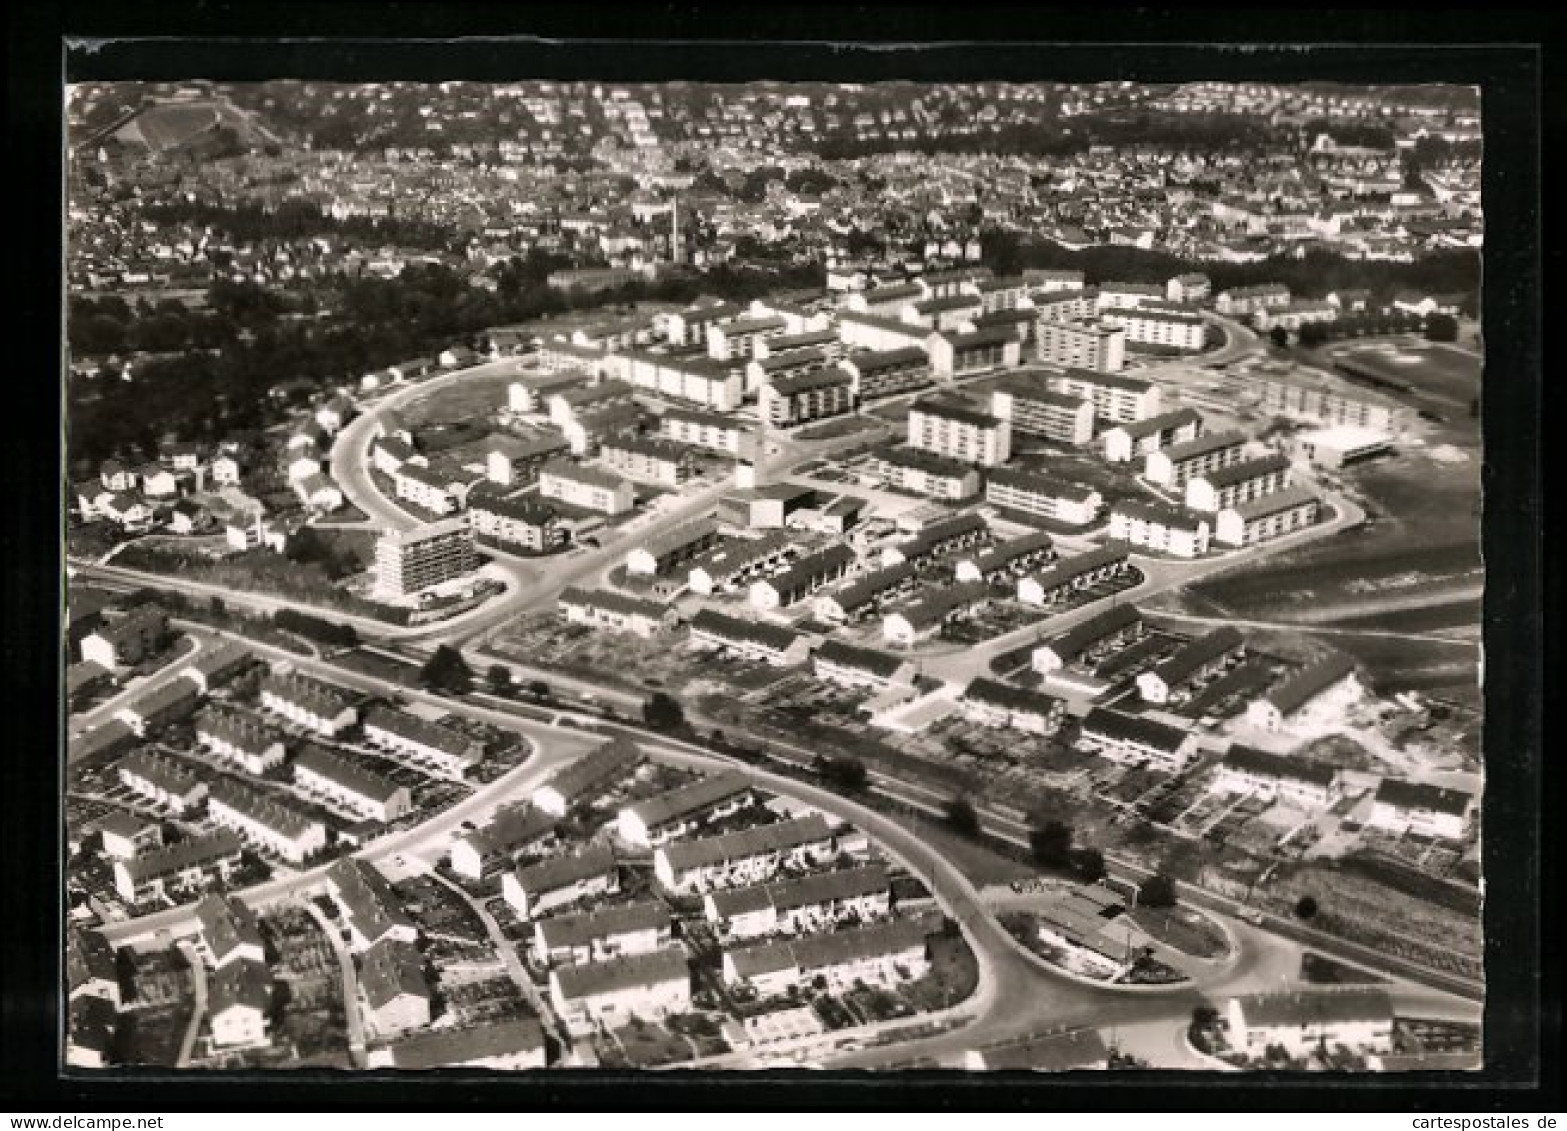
(367,898)
(807,891)
(1250,760)
(696,797)
(197,851)
(1049,1052)
(772,636)
(871,586)
(612,601)
(1308,1007)
(998,694)
(1164,422)
(562,871)
(1275,501)
(432,734)
(611,760)
(1120,727)
(227,925)
(347,774)
(1159,514)
(391,969)
(1202,445)
(1245,471)
(743,844)
(1420,796)
(88,956)
(1194,654)
(654,968)
(1295,692)
(262,808)
(584,927)
(246,984)
(452,1047)
(871,660)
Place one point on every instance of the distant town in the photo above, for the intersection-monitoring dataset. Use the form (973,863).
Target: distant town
(781,575)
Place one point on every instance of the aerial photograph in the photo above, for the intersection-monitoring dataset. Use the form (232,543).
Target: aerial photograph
(657,576)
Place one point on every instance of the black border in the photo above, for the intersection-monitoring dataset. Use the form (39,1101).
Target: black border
(1500,51)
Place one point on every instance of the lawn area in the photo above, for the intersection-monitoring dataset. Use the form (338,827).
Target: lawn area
(642,1044)
(1323,971)
(468,401)
(1190,932)
(954,975)
(980,864)
(832,429)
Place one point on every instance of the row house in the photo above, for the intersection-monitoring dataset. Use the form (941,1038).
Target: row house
(1027,403)
(586,487)
(1277,778)
(818,902)
(344,784)
(1115,398)
(851,666)
(1030,493)
(190,863)
(664,553)
(609,994)
(1268,516)
(560,881)
(1010,559)
(575,783)
(370,910)
(960,532)
(162,781)
(1193,664)
(263,821)
(522,523)
(736,563)
(1173,467)
(511,830)
(603,934)
(322,707)
(1103,632)
(671,815)
(509,1045)
(883,955)
(1138,439)
(214,666)
(920,620)
(996,704)
(617,612)
(240,740)
(1237,484)
(1165,529)
(1070,576)
(867,594)
(1319,689)
(431,744)
(1134,739)
(159,707)
(745,856)
(803,578)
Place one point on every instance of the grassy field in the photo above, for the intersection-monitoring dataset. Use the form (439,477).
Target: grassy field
(473,399)
(1437,372)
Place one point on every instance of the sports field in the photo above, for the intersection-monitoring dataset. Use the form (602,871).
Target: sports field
(1433,372)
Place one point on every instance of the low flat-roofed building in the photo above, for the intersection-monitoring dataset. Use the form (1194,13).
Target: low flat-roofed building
(1339,445)
(1304,1020)
(1121,737)
(1069,1050)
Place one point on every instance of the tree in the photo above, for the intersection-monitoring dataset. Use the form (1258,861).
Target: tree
(663,712)
(1158,890)
(540,690)
(845,773)
(1441,328)
(1051,844)
(446,670)
(1279,336)
(1089,864)
(1306,907)
(1313,334)
(960,814)
(499,677)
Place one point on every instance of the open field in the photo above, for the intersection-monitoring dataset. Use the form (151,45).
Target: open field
(473,400)
(1436,372)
